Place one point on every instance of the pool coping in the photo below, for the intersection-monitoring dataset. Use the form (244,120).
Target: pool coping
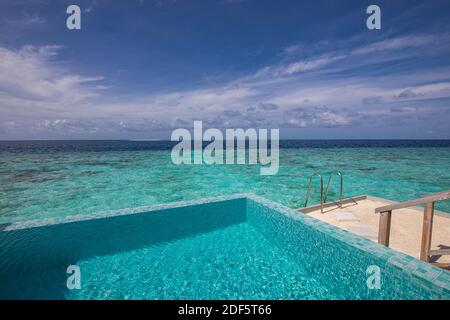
(423,271)
(114,213)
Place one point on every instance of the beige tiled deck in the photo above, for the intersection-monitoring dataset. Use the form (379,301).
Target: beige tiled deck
(406,225)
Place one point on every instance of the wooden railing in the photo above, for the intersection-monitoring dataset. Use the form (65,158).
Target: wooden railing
(385,212)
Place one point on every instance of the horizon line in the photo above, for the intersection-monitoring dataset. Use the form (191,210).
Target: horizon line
(284,139)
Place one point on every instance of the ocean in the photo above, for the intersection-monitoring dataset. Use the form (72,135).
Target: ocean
(46,179)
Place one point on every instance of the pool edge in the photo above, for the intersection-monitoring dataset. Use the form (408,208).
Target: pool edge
(413,267)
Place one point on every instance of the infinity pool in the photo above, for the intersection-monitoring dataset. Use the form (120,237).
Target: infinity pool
(234,247)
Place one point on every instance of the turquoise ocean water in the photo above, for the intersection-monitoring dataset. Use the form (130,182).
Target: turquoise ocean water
(48,179)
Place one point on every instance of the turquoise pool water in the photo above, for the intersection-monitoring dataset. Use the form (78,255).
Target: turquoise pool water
(53,179)
(232,248)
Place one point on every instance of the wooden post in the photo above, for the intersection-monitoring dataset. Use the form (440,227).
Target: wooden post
(384,228)
(427,231)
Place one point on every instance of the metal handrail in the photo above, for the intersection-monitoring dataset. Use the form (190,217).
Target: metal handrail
(309,190)
(341,183)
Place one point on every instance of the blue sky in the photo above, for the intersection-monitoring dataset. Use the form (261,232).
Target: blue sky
(140,69)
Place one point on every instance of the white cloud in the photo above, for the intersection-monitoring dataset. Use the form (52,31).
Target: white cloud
(35,94)
(27,75)
(330,119)
(296,122)
(327,59)
(297,66)
(307,65)
(397,43)
(206,97)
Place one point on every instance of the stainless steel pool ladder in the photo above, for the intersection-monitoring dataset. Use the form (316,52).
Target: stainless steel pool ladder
(323,197)
(308,194)
(341,186)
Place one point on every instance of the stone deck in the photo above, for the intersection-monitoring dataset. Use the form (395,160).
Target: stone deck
(406,226)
